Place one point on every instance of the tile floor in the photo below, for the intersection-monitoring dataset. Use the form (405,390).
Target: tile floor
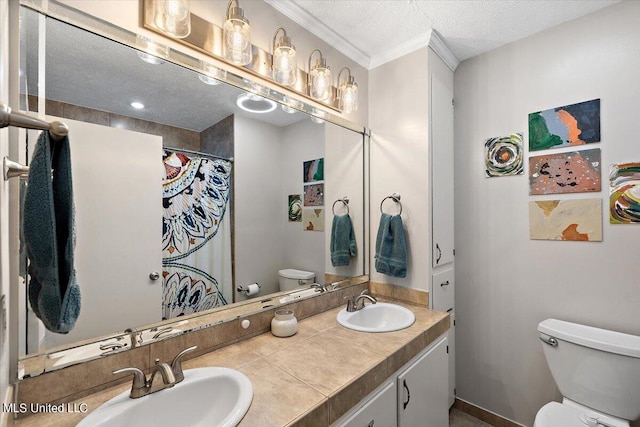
(457,418)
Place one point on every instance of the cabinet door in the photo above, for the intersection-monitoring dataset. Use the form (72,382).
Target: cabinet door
(423,390)
(451,338)
(442,172)
(443,290)
(377,412)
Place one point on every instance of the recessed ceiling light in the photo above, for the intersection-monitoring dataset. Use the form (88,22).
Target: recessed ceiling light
(137,105)
(255,104)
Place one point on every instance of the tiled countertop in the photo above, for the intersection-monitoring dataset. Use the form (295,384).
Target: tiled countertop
(309,379)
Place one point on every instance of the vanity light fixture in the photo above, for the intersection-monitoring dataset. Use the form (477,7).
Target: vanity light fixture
(284,65)
(347,93)
(319,78)
(236,34)
(150,51)
(213,74)
(253,103)
(173,17)
(317,116)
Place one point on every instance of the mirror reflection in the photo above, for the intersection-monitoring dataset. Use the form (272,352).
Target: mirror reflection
(191,194)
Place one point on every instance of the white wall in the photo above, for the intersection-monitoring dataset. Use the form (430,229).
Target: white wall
(258,228)
(398,116)
(303,250)
(343,174)
(507,283)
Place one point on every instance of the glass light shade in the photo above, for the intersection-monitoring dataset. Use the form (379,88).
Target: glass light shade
(320,83)
(237,41)
(212,75)
(153,52)
(285,65)
(173,17)
(348,98)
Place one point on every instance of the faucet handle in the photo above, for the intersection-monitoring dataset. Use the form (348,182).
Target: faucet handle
(139,380)
(351,303)
(176,363)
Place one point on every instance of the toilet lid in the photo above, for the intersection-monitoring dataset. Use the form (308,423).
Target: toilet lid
(554,414)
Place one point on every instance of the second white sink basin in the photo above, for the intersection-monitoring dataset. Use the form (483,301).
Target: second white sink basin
(209,397)
(380,317)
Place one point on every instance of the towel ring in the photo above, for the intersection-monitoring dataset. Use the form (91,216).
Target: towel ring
(345,202)
(396,198)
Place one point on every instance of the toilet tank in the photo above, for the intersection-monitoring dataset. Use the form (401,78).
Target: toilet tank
(595,367)
(291,279)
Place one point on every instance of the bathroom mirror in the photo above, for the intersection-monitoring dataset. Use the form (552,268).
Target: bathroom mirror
(286,176)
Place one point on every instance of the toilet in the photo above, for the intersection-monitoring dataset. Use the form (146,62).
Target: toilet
(597,372)
(291,279)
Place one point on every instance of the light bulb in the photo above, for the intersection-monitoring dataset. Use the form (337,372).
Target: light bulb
(173,17)
(284,66)
(237,41)
(321,84)
(348,98)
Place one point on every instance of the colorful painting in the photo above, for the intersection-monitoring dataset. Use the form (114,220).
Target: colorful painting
(571,125)
(313,219)
(295,208)
(314,195)
(624,196)
(572,172)
(577,219)
(313,170)
(504,155)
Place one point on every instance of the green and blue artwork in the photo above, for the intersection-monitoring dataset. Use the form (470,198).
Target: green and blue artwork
(567,126)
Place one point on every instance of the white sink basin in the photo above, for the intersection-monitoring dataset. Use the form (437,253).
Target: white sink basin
(217,397)
(380,317)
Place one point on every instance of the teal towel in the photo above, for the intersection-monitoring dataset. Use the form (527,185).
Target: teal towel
(391,249)
(48,229)
(343,240)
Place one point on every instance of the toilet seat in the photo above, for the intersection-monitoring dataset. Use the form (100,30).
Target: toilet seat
(555,414)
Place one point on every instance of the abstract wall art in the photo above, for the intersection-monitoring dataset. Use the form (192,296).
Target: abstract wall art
(313,219)
(571,125)
(504,155)
(313,170)
(624,195)
(576,219)
(295,208)
(571,172)
(314,195)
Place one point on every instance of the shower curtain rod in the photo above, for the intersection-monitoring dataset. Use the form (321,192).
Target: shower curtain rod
(199,153)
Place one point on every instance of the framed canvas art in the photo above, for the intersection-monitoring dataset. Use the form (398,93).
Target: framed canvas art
(570,125)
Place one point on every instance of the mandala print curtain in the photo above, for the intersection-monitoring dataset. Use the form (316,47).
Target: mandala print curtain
(196,234)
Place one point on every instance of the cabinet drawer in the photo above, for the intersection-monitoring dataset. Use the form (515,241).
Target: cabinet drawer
(380,411)
(443,290)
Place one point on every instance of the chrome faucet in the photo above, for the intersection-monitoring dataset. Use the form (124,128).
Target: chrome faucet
(319,287)
(143,386)
(176,364)
(134,337)
(356,303)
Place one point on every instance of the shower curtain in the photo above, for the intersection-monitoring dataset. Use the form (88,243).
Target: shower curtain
(196,234)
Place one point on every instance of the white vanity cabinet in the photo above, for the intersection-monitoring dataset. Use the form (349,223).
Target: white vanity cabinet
(442,287)
(378,411)
(422,389)
(416,395)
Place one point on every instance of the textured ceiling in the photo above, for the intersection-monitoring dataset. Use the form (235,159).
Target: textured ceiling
(376,31)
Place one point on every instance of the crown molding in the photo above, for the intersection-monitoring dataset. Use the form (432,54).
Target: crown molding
(303,18)
(401,50)
(440,48)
